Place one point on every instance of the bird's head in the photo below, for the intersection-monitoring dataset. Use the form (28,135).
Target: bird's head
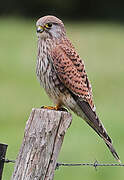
(50,27)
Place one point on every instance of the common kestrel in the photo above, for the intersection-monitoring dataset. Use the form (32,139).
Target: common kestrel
(62,74)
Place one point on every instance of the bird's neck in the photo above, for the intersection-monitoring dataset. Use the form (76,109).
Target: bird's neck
(45,45)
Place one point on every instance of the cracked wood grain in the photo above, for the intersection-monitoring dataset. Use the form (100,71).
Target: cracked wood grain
(43,137)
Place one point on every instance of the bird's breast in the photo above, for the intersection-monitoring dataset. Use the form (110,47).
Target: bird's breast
(50,81)
(47,75)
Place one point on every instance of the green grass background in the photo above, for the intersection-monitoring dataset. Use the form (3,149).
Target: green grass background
(101,45)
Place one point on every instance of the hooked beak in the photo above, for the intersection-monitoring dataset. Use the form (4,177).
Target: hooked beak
(40,29)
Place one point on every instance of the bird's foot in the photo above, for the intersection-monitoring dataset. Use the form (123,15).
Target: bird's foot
(57,108)
(50,107)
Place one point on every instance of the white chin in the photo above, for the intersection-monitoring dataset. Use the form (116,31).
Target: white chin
(42,35)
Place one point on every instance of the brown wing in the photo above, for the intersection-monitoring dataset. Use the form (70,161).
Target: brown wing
(71,71)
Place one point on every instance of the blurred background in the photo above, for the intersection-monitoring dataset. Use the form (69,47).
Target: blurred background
(96,29)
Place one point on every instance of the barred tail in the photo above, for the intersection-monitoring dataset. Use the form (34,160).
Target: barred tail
(111,148)
(92,119)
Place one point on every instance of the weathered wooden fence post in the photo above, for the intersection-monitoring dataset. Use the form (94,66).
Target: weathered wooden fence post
(43,137)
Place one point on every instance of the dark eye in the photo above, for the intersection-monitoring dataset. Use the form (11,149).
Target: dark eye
(48,25)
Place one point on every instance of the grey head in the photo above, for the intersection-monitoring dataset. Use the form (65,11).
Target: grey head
(50,27)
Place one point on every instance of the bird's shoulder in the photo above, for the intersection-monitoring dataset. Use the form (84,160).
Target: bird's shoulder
(65,51)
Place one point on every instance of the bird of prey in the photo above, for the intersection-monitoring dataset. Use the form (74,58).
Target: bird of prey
(62,74)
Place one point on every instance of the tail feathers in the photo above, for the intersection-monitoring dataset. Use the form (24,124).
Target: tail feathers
(111,148)
(91,118)
(107,140)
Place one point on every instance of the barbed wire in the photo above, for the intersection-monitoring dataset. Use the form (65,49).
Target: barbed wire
(8,161)
(95,164)
(58,165)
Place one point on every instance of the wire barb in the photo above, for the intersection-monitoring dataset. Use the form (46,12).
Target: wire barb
(95,164)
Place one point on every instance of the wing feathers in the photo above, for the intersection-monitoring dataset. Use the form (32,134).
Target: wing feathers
(71,71)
